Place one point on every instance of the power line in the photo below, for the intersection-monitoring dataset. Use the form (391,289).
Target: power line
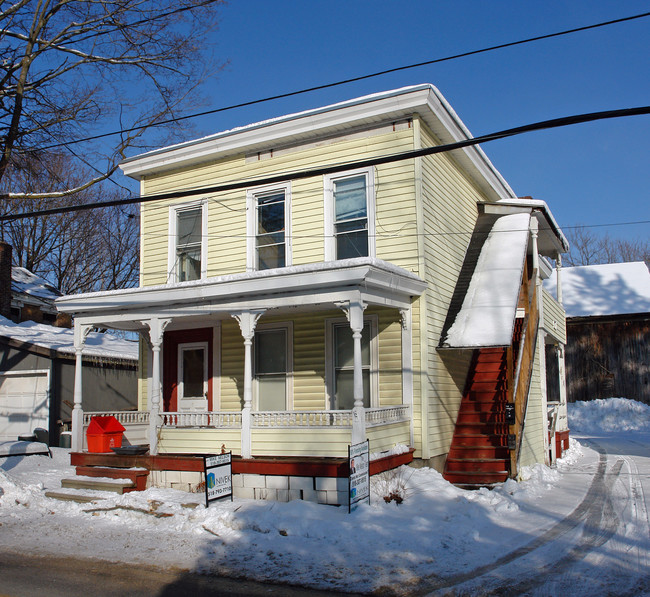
(359,78)
(342,167)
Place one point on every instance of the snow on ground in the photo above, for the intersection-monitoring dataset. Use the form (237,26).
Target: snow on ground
(438,530)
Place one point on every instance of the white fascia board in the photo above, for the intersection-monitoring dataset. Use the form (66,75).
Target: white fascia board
(397,104)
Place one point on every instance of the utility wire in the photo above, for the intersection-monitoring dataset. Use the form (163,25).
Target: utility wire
(359,78)
(342,167)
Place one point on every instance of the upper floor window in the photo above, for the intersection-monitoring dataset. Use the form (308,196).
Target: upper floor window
(349,215)
(268,245)
(187,250)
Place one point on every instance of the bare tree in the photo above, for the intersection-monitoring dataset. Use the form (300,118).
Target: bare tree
(71,68)
(76,252)
(590,248)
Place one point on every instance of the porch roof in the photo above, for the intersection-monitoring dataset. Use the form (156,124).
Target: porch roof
(318,285)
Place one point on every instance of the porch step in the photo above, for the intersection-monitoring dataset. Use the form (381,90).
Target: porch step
(99,484)
(476,478)
(479,440)
(483,465)
(485,429)
(481,417)
(137,475)
(74,496)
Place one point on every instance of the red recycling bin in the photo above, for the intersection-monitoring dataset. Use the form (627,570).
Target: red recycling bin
(104,433)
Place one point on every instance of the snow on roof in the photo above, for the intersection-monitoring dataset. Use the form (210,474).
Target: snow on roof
(488,312)
(608,289)
(25,282)
(62,340)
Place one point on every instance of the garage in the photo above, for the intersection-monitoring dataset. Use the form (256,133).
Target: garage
(24,402)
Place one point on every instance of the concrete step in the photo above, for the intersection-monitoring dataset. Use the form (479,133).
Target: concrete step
(137,475)
(73,496)
(99,484)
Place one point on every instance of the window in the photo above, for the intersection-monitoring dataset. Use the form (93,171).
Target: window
(187,256)
(341,361)
(273,364)
(349,215)
(268,245)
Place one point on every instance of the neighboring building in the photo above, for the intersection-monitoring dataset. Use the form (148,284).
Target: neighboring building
(37,361)
(390,300)
(608,330)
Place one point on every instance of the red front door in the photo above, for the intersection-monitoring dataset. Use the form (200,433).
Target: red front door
(187,372)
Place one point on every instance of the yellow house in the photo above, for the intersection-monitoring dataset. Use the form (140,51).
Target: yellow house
(304,286)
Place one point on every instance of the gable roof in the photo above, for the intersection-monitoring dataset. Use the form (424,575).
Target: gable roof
(339,118)
(608,289)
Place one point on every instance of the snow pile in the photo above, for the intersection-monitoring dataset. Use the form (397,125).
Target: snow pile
(609,415)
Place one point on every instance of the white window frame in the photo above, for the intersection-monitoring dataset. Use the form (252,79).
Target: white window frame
(270,327)
(251,223)
(330,370)
(180,392)
(174,210)
(328,184)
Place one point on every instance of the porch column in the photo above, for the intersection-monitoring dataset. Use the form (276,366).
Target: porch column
(558,278)
(355,315)
(247,321)
(407,365)
(156,331)
(80,334)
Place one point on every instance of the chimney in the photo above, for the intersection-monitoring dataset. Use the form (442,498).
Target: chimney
(5,279)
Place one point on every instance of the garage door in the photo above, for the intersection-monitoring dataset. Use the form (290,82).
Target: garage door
(24,403)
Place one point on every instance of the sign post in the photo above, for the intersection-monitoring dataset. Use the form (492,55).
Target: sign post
(218,477)
(359,480)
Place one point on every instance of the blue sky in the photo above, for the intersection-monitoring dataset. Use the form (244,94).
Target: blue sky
(591,174)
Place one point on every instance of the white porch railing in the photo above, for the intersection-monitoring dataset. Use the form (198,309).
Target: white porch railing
(130,417)
(287,419)
(202,419)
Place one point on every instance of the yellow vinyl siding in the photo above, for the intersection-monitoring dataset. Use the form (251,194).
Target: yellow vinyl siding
(449,205)
(390,356)
(554,321)
(326,442)
(232,366)
(227,211)
(387,436)
(199,441)
(143,381)
(532,448)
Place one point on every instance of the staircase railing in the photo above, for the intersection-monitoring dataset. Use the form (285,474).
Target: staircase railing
(523,371)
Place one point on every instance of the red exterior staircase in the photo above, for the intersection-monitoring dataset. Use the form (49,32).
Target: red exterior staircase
(479,454)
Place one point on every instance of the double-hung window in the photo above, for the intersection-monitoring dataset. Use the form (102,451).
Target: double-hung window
(268,245)
(273,366)
(187,225)
(341,364)
(349,215)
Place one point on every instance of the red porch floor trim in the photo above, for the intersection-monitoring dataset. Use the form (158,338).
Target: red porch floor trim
(260,465)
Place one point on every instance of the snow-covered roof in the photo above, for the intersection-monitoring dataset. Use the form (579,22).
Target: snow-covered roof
(608,289)
(62,340)
(488,312)
(27,287)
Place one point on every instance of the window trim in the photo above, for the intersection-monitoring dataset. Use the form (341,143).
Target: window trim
(287,326)
(174,210)
(251,222)
(328,185)
(330,369)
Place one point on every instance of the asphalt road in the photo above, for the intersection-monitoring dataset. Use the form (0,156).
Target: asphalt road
(39,576)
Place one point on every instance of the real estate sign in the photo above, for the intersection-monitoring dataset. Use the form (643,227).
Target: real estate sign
(359,459)
(218,477)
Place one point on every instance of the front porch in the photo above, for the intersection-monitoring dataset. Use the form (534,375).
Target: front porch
(336,390)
